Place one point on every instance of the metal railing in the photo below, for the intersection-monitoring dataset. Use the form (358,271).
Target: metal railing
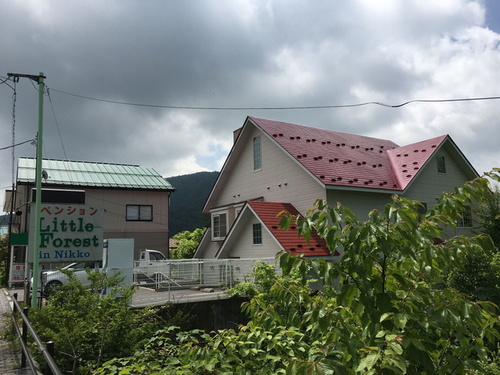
(177,273)
(47,350)
(188,273)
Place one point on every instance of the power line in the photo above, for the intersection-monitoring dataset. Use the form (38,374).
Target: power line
(18,144)
(283,108)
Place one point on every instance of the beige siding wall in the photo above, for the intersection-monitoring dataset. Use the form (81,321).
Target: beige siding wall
(361,203)
(246,249)
(279,180)
(431,184)
(147,234)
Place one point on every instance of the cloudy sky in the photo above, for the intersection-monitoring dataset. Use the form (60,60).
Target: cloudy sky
(143,82)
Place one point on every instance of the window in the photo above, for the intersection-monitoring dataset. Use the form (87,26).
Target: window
(422,209)
(219,226)
(257,156)
(465,220)
(257,234)
(441,164)
(139,212)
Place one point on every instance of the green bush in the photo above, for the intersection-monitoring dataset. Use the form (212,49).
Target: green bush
(89,328)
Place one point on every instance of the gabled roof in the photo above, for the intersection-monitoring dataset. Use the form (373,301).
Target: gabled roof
(349,160)
(91,174)
(291,242)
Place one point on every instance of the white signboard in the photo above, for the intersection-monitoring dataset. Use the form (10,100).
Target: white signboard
(68,233)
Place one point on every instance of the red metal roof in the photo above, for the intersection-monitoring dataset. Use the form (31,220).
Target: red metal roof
(289,239)
(342,159)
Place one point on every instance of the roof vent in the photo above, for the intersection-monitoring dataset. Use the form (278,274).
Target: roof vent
(415,150)
(292,138)
(280,134)
(308,140)
(343,144)
(433,146)
(298,137)
(339,178)
(299,246)
(424,150)
(408,175)
(299,156)
(275,135)
(405,154)
(322,177)
(328,142)
(404,165)
(380,165)
(398,155)
(313,140)
(304,155)
(415,162)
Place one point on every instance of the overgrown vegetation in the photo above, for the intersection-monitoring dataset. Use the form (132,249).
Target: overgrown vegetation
(392,312)
(4,251)
(88,327)
(187,243)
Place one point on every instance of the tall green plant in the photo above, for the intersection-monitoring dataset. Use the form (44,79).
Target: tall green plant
(187,242)
(89,328)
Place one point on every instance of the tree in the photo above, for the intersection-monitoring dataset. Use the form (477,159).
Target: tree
(4,259)
(489,214)
(89,328)
(382,307)
(187,243)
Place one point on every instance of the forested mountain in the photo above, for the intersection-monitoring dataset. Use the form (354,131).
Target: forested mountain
(187,201)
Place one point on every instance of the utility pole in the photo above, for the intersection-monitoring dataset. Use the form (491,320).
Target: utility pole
(38,179)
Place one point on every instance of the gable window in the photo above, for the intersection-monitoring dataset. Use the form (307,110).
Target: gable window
(422,208)
(257,234)
(465,219)
(219,226)
(257,156)
(441,164)
(137,212)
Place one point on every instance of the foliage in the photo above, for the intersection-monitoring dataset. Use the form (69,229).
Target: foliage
(489,214)
(261,281)
(187,242)
(4,251)
(478,277)
(388,314)
(89,328)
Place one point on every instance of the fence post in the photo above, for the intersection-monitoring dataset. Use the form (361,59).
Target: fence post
(51,351)
(24,337)
(14,308)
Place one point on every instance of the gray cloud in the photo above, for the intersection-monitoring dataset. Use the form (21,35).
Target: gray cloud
(242,53)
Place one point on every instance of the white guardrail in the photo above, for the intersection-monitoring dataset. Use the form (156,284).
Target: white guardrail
(180,273)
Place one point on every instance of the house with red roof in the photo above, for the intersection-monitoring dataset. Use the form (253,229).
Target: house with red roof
(278,167)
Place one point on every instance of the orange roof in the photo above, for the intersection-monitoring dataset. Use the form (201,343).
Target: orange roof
(290,240)
(342,159)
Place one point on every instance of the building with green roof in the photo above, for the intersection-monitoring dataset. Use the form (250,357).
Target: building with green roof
(132,201)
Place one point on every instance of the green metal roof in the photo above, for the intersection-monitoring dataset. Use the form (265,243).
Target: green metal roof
(91,174)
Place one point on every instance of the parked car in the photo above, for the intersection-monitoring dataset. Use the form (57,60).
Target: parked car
(52,279)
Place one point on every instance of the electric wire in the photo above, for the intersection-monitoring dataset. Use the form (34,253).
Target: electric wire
(332,106)
(57,124)
(18,144)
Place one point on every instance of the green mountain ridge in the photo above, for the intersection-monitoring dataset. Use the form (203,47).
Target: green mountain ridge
(187,201)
